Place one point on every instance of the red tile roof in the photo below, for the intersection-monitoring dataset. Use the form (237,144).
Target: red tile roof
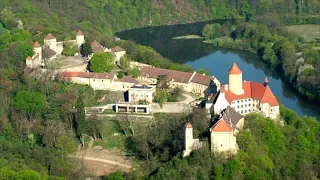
(29,58)
(117,49)
(49,37)
(88,75)
(96,46)
(177,76)
(36,44)
(188,125)
(79,33)
(221,126)
(129,79)
(253,90)
(235,69)
(202,79)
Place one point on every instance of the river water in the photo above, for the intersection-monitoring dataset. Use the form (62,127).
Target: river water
(217,60)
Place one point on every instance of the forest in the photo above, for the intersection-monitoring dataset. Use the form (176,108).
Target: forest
(42,120)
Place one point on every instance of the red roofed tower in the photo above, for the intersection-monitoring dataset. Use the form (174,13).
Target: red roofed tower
(188,139)
(79,38)
(235,79)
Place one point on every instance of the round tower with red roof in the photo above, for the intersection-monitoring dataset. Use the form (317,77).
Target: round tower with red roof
(79,38)
(235,79)
(188,139)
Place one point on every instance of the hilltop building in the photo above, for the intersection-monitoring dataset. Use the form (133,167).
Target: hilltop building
(50,49)
(244,96)
(140,93)
(222,133)
(195,83)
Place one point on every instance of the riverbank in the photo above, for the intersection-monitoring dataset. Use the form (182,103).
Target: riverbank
(188,37)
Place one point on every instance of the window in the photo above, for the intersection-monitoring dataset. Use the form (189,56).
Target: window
(241,112)
(241,106)
(238,107)
(249,110)
(221,145)
(102,80)
(245,105)
(238,101)
(245,111)
(249,105)
(241,100)
(245,100)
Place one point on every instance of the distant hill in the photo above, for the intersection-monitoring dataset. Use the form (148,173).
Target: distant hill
(61,15)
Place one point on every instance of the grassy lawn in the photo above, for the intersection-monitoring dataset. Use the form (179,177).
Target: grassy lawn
(308,32)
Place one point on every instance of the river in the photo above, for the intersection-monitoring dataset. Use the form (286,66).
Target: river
(217,60)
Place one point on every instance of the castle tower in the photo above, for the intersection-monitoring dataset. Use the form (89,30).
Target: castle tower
(235,79)
(37,49)
(29,63)
(79,38)
(188,139)
(50,41)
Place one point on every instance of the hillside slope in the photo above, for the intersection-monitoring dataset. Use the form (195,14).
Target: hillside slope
(102,15)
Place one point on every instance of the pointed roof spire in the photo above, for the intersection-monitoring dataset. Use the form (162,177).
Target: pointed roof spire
(36,44)
(29,58)
(188,125)
(266,81)
(49,37)
(221,126)
(79,33)
(235,69)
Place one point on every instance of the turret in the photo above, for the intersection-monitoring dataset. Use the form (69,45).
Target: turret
(235,79)
(50,41)
(29,62)
(37,49)
(188,139)
(79,38)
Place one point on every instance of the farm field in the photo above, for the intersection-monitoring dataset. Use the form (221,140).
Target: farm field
(308,32)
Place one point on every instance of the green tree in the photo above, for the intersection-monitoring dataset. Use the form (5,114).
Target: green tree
(162,82)
(69,48)
(85,49)
(66,144)
(102,62)
(116,176)
(161,97)
(203,71)
(80,120)
(31,103)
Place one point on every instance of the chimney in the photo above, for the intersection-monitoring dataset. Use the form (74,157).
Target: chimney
(266,81)
(242,92)
(226,87)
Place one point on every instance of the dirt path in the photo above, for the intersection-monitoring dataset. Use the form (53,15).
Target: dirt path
(104,161)
(101,162)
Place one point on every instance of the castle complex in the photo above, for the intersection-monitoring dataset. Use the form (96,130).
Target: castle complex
(245,96)
(232,102)
(50,49)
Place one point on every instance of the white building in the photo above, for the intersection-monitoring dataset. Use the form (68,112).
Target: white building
(119,53)
(222,133)
(245,97)
(141,93)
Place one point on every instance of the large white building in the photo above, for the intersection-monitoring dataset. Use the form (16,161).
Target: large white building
(245,96)
(141,93)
